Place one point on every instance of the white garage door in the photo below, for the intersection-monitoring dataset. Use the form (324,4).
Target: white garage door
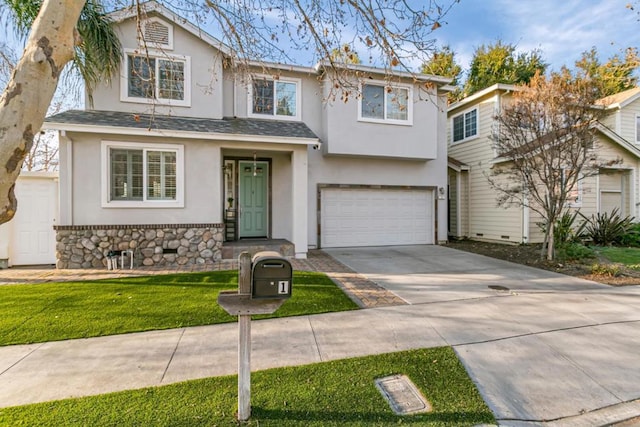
(34,240)
(375,217)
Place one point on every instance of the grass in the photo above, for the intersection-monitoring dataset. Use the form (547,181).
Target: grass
(626,256)
(338,393)
(57,311)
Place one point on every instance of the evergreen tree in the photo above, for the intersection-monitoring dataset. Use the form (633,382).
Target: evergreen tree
(500,63)
(613,76)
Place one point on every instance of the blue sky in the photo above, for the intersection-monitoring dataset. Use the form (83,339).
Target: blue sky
(562,29)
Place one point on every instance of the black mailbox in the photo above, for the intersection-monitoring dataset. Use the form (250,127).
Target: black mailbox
(271,276)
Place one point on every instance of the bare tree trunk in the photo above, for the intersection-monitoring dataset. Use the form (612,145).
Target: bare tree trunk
(25,100)
(550,241)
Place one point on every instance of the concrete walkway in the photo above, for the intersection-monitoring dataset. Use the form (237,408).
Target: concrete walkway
(544,349)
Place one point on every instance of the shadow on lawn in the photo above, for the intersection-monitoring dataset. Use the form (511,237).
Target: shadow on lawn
(259,415)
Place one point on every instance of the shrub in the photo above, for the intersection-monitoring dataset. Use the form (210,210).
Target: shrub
(607,228)
(632,238)
(573,252)
(611,270)
(565,230)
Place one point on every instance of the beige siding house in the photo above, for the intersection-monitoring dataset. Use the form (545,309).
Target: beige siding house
(473,210)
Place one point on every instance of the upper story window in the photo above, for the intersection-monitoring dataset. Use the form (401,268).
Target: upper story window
(465,125)
(162,78)
(638,129)
(275,98)
(142,175)
(385,104)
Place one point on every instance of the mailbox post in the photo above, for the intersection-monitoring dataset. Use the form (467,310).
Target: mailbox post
(264,283)
(244,341)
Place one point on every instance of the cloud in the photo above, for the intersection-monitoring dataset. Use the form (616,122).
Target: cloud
(561,29)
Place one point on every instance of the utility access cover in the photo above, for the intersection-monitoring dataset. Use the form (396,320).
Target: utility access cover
(403,395)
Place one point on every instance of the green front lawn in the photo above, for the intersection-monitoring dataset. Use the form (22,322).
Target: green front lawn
(57,311)
(626,256)
(339,393)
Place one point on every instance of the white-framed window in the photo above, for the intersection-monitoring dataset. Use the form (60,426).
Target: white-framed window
(156,33)
(274,98)
(156,78)
(638,129)
(381,103)
(142,175)
(464,125)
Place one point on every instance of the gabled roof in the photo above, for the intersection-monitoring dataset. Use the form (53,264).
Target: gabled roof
(153,6)
(614,137)
(498,87)
(231,129)
(621,99)
(374,70)
(632,148)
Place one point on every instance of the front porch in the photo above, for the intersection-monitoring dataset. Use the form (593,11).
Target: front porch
(264,199)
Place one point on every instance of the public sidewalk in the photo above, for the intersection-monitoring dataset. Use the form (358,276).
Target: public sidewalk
(543,357)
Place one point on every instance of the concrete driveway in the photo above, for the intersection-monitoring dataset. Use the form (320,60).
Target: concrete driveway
(542,347)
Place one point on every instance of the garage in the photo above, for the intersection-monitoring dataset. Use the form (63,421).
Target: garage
(375,217)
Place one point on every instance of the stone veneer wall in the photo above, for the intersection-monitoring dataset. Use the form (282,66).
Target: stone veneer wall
(162,245)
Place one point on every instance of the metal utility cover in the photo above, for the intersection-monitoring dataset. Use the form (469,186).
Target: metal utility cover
(402,394)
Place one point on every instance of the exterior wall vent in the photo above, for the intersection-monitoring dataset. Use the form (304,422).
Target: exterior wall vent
(157,33)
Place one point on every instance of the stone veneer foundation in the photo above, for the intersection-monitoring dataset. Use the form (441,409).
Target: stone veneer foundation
(162,245)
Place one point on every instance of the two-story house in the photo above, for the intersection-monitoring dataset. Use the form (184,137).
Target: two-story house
(473,210)
(183,154)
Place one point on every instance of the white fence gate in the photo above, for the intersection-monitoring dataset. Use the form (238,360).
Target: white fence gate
(29,238)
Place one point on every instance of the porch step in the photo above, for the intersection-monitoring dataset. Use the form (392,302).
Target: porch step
(231,250)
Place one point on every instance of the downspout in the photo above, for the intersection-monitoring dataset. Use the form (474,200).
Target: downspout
(526,218)
(634,191)
(458,200)
(233,94)
(469,193)
(66,176)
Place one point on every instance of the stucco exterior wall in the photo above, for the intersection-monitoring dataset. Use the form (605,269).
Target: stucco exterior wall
(365,170)
(346,135)
(202,184)
(206,77)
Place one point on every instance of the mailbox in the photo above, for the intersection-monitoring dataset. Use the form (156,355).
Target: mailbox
(271,276)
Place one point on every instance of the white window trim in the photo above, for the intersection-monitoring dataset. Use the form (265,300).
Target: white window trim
(149,43)
(106,174)
(156,54)
(577,203)
(409,88)
(637,129)
(467,138)
(298,83)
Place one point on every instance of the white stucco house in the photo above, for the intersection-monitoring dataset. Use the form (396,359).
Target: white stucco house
(181,155)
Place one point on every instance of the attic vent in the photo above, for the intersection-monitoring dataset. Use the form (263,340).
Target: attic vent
(158,33)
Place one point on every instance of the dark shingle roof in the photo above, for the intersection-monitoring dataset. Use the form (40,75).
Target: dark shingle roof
(232,126)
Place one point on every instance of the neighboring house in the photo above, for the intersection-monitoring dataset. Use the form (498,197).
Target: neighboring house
(473,210)
(29,239)
(178,166)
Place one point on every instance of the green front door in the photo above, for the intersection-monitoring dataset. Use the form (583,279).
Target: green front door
(253,187)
